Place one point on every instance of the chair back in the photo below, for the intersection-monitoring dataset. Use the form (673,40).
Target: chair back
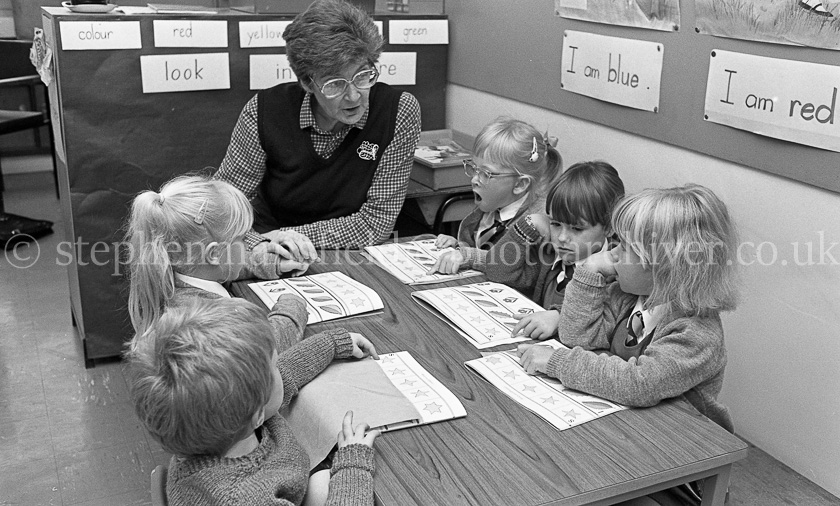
(159,486)
(15,61)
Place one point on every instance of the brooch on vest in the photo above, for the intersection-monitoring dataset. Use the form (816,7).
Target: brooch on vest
(367,151)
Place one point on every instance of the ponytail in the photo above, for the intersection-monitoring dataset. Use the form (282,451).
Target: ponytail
(164,230)
(152,281)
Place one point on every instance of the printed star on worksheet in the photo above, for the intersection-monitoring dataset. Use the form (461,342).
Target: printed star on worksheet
(397,371)
(387,359)
(549,400)
(448,296)
(477,319)
(494,360)
(529,388)
(461,308)
(510,374)
(419,393)
(433,408)
(491,332)
(358,302)
(349,292)
(571,413)
(408,382)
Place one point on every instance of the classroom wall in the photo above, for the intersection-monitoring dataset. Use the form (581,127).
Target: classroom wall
(783,377)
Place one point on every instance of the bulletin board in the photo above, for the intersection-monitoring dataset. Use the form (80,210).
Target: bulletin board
(116,141)
(514,52)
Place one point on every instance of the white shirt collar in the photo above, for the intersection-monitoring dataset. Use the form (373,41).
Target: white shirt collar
(651,317)
(505,214)
(204,284)
(509,211)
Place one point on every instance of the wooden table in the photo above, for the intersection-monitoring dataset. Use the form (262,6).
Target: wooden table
(501,453)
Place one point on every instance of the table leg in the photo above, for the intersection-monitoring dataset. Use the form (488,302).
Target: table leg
(716,486)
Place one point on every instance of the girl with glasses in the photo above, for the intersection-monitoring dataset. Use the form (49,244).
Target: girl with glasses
(328,156)
(511,162)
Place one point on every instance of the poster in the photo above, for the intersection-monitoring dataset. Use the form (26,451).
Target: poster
(811,23)
(650,14)
(613,69)
(743,91)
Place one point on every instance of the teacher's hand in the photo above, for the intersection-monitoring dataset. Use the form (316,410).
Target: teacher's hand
(296,245)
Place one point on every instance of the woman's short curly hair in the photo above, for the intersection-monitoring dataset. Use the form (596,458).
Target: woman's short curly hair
(328,36)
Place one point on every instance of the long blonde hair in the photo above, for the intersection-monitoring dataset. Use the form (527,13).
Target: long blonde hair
(686,236)
(171,228)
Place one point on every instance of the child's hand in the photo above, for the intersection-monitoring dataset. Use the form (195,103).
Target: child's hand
(445,241)
(542,223)
(602,262)
(534,357)
(362,347)
(540,325)
(359,435)
(448,263)
(297,245)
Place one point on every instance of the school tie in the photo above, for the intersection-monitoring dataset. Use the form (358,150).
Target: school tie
(484,240)
(568,272)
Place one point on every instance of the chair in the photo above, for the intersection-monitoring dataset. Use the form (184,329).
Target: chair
(16,71)
(159,486)
(453,209)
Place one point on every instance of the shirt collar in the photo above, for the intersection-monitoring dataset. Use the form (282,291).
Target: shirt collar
(651,316)
(510,210)
(203,284)
(307,117)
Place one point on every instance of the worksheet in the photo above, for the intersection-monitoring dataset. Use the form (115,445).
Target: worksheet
(394,392)
(481,312)
(410,261)
(328,296)
(545,396)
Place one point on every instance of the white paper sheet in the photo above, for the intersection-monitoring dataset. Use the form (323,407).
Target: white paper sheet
(328,296)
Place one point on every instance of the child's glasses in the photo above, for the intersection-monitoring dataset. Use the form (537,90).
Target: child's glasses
(363,80)
(484,175)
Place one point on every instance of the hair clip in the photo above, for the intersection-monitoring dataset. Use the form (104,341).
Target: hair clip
(160,198)
(549,140)
(199,217)
(535,154)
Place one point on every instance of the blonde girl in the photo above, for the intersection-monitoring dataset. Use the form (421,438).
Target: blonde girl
(654,302)
(187,239)
(512,165)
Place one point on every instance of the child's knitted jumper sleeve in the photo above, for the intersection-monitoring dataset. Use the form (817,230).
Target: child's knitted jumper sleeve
(288,319)
(302,362)
(591,310)
(351,476)
(517,259)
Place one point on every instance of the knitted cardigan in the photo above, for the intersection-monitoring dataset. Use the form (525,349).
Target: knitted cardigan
(277,471)
(521,259)
(686,356)
(475,258)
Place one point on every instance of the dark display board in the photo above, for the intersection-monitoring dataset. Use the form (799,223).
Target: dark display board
(119,141)
(513,50)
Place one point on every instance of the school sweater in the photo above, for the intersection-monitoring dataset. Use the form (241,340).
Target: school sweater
(475,258)
(287,317)
(299,186)
(685,356)
(277,471)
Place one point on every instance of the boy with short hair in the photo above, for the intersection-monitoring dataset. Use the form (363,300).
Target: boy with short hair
(207,382)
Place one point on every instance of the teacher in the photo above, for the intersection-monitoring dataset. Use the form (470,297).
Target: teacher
(325,159)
